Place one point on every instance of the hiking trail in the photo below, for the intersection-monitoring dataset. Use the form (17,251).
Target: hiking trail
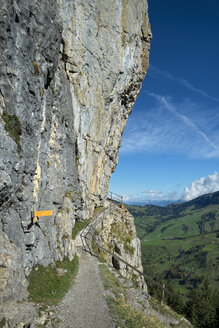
(84,306)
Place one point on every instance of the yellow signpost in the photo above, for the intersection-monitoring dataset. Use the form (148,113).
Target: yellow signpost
(37,214)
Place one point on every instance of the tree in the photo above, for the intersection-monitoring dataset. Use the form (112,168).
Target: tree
(200,309)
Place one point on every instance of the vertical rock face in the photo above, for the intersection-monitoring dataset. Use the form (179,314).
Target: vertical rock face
(70,73)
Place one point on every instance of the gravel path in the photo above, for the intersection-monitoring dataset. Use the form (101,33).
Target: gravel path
(84,306)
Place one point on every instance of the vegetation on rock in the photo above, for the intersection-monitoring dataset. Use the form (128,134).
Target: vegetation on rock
(36,68)
(2,323)
(79,225)
(125,315)
(69,194)
(13,127)
(119,231)
(48,285)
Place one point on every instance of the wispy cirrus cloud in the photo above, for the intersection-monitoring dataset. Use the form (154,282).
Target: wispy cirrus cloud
(170,128)
(155,72)
(185,120)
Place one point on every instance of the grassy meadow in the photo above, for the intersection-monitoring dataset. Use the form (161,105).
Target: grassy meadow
(180,242)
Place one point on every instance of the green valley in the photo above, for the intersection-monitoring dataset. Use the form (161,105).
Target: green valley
(180,242)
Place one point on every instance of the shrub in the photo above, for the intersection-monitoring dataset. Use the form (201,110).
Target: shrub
(13,127)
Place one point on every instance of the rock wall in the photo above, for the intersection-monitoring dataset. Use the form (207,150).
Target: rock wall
(117,234)
(70,73)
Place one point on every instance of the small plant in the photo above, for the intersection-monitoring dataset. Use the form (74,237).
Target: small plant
(52,87)
(2,323)
(36,68)
(69,195)
(135,281)
(128,248)
(41,92)
(77,160)
(23,181)
(13,127)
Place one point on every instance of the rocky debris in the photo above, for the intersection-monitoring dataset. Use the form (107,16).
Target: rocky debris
(137,298)
(20,315)
(170,320)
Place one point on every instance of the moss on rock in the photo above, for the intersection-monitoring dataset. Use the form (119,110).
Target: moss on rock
(13,127)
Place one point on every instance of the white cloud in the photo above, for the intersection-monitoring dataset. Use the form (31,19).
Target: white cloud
(127,198)
(155,72)
(201,187)
(154,192)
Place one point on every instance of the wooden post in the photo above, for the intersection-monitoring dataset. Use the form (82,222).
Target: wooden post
(162,299)
(122,205)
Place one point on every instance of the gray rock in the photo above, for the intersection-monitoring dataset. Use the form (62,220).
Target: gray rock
(118,235)
(128,284)
(70,74)
(137,298)
(12,280)
(20,315)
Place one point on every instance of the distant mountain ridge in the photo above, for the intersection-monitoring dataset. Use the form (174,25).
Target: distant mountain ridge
(156,202)
(206,198)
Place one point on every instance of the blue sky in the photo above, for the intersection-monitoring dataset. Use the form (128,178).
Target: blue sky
(170,147)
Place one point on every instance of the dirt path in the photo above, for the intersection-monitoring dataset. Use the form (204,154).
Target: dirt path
(84,306)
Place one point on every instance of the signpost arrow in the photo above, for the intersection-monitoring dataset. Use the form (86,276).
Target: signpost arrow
(37,214)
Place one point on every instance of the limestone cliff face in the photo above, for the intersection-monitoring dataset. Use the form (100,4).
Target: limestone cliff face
(70,73)
(117,234)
